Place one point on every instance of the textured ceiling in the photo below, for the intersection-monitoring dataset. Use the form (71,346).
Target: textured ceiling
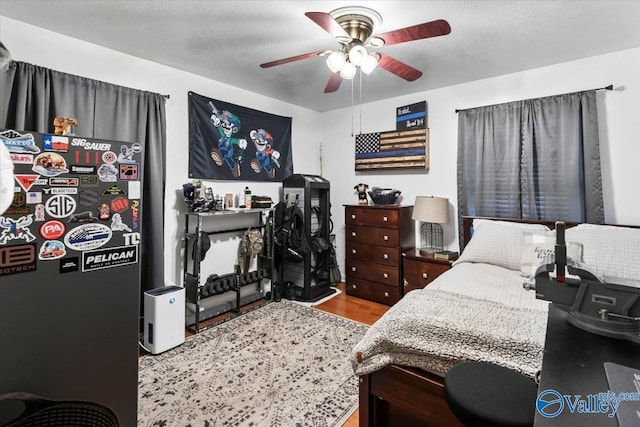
(227,40)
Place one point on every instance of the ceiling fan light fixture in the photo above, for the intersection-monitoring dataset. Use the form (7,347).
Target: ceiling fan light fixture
(357,54)
(348,71)
(336,60)
(370,63)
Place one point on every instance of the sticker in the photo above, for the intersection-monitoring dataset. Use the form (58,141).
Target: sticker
(125,155)
(87,236)
(88,198)
(89,181)
(60,190)
(89,145)
(52,249)
(135,205)
(16,229)
(104,212)
(107,173)
(119,204)
(19,143)
(109,157)
(86,157)
(109,257)
(60,206)
(34,197)
(114,190)
(63,182)
(118,225)
(22,159)
(82,169)
(134,189)
(17,206)
(82,217)
(136,147)
(41,181)
(131,238)
(17,259)
(69,265)
(26,181)
(52,229)
(129,171)
(39,214)
(50,164)
(55,143)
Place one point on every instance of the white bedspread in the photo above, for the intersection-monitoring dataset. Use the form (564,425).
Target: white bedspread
(473,312)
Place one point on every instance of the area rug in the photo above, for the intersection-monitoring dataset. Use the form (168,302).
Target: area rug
(279,365)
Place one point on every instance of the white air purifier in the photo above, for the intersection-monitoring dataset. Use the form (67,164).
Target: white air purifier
(163,318)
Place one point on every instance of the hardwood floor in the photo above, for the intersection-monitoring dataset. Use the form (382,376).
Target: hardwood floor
(343,305)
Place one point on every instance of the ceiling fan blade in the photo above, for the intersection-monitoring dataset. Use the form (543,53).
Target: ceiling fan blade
(398,68)
(334,83)
(327,23)
(416,32)
(291,59)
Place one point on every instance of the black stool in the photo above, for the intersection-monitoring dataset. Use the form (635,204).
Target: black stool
(483,394)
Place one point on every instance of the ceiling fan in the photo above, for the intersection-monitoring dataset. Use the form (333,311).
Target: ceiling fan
(353,28)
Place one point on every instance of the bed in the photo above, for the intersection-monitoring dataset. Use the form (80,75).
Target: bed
(478,310)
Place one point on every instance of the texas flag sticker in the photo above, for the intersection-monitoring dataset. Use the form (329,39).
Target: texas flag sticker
(55,143)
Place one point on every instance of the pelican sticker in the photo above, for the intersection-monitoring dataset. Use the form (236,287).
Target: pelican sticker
(109,257)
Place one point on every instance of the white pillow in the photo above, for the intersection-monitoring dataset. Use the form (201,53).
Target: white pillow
(498,243)
(537,246)
(608,250)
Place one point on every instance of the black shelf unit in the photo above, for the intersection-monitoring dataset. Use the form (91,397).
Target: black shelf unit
(309,192)
(247,286)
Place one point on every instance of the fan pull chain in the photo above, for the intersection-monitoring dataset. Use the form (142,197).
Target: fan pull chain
(352,107)
(360,103)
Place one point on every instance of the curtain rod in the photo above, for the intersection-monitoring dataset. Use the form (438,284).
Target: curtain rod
(167,96)
(610,87)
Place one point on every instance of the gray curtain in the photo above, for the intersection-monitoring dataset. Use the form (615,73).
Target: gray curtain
(532,159)
(32,96)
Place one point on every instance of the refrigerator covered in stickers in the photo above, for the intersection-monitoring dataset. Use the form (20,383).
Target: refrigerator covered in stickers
(70,280)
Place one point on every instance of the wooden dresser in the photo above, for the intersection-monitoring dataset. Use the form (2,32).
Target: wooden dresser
(376,236)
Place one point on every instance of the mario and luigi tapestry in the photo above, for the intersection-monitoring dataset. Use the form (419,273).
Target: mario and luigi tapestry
(227,141)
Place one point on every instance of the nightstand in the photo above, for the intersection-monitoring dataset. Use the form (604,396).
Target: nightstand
(420,270)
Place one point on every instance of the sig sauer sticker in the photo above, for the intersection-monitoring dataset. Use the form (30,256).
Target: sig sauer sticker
(60,206)
(87,236)
(17,259)
(109,257)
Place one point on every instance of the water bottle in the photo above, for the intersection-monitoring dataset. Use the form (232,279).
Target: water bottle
(247,198)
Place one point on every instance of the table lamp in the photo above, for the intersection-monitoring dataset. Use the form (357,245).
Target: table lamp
(431,211)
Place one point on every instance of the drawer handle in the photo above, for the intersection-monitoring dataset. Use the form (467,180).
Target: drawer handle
(353,234)
(385,238)
(353,251)
(353,269)
(385,219)
(425,276)
(353,216)
(385,275)
(386,294)
(354,286)
(385,256)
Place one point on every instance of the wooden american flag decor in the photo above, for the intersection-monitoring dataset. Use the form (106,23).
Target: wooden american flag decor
(393,150)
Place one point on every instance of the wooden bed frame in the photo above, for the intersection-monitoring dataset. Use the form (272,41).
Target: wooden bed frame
(405,396)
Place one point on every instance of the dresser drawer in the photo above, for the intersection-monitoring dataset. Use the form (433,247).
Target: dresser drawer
(372,217)
(372,236)
(376,254)
(419,273)
(373,291)
(377,273)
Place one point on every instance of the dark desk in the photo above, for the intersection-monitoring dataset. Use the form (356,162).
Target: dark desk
(573,364)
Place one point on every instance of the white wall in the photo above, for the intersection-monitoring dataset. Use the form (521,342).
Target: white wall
(617,116)
(619,128)
(42,47)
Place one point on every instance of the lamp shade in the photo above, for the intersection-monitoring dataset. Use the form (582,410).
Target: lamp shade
(431,209)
